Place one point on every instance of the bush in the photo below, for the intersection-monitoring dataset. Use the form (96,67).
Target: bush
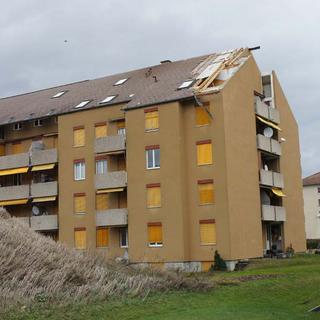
(313,244)
(219,263)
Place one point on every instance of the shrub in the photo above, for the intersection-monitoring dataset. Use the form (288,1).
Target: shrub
(219,263)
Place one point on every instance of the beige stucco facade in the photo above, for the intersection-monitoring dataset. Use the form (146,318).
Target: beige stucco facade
(241,232)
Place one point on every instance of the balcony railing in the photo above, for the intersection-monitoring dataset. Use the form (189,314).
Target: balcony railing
(262,109)
(273,213)
(269,145)
(112,217)
(14,192)
(271,178)
(39,157)
(45,189)
(112,144)
(116,179)
(44,223)
(14,161)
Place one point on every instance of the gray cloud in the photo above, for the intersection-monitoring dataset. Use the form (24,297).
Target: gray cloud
(104,37)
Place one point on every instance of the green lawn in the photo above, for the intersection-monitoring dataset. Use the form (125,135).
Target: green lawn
(294,288)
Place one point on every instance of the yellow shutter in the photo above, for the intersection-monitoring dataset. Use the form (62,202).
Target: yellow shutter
(208,233)
(101,131)
(80,204)
(204,153)
(2,150)
(78,137)
(80,239)
(206,195)
(155,234)
(102,237)
(16,148)
(151,120)
(202,116)
(121,124)
(153,197)
(102,201)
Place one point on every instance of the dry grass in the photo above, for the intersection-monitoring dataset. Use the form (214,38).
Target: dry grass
(35,268)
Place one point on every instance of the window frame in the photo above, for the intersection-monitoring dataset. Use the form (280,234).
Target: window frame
(151,110)
(17,126)
(78,195)
(120,238)
(78,128)
(204,142)
(206,107)
(74,237)
(108,232)
(208,221)
(152,186)
(83,171)
(155,244)
(205,182)
(153,149)
(101,159)
(38,123)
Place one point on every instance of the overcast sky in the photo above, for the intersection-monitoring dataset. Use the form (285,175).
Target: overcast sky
(108,36)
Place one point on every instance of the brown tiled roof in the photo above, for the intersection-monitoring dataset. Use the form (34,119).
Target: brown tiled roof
(312,180)
(151,85)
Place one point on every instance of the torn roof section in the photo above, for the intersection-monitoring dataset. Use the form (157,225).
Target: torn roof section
(147,86)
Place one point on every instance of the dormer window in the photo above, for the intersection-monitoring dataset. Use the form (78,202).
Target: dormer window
(107,99)
(82,104)
(38,123)
(185,84)
(59,94)
(121,81)
(17,126)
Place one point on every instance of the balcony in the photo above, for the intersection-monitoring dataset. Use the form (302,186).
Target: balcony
(46,189)
(112,144)
(273,213)
(269,145)
(271,178)
(110,180)
(14,192)
(112,218)
(40,157)
(14,161)
(263,110)
(44,223)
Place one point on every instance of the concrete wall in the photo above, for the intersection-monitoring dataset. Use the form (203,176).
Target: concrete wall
(312,211)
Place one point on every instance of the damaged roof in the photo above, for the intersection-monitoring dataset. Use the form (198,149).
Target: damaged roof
(138,88)
(312,180)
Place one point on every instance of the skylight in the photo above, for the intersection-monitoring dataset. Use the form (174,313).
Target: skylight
(121,81)
(185,84)
(107,99)
(82,104)
(59,94)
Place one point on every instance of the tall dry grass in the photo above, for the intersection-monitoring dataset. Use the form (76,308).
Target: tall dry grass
(33,267)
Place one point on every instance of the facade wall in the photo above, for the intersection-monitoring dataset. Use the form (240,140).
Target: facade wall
(311,198)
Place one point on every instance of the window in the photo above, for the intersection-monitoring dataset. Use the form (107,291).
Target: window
(153,195)
(319,202)
(102,201)
(318,190)
(202,115)
(153,157)
(155,234)
(82,104)
(59,94)
(17,179)
(121,81)
(100,130)
(101,165)
(185,84)
(206,195)
(1,133)
(80,238)
(79,167)
(121,124)
(107,99)
(204,152)
(16,147)
(17,126)
(207,232)
(79,203)
(102,234)
(78,137)
(151,119)
(38,123)
(123,236)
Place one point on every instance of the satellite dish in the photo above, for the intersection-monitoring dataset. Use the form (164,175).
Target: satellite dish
(268,132)
(36,211)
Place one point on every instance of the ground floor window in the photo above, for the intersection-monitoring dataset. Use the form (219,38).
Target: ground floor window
(123,233)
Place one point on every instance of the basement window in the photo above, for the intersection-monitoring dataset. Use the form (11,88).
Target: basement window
(82,104)
(121,81)
(17,126)
(107,99)
(38,123)
(59,94)
(185,84)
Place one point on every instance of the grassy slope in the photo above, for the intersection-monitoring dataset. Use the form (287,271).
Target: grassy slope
(286,297)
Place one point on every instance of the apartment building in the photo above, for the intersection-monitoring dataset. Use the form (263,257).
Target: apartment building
(162,165)
(311,195)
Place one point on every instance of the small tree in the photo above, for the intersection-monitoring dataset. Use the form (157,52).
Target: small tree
(219,263)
